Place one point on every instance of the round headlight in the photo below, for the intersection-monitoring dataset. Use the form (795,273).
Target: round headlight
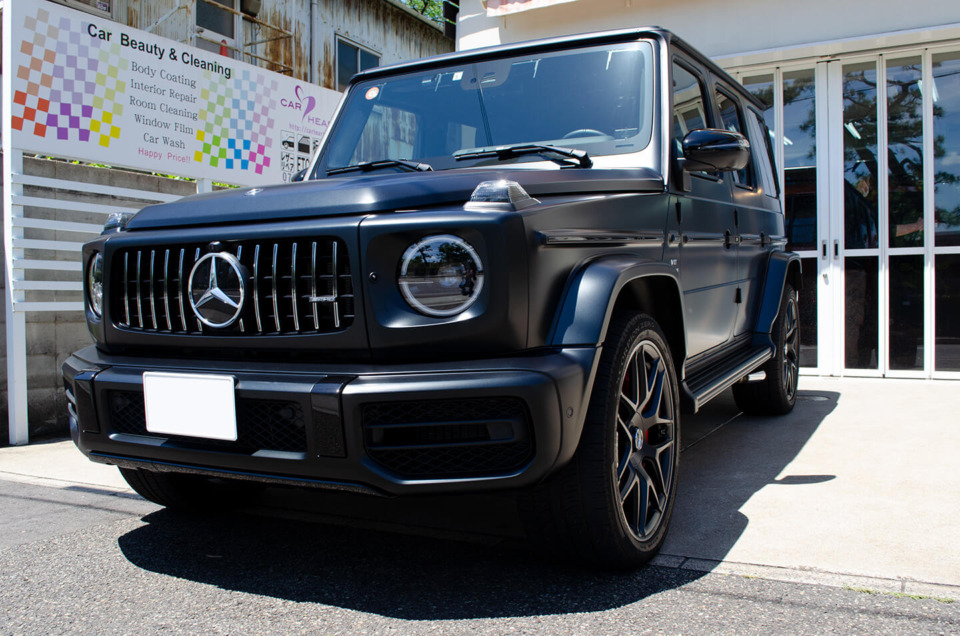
(95,284)
(441,275)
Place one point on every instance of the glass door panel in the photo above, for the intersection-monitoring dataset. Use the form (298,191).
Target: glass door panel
(861,205)
(948,310)
(905,152)
(946,135)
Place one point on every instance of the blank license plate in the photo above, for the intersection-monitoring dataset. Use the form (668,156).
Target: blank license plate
(190,404)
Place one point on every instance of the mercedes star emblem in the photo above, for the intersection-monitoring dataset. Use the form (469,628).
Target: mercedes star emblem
(217,289)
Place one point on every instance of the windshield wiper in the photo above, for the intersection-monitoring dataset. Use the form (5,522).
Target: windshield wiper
(367,166)
(563,156)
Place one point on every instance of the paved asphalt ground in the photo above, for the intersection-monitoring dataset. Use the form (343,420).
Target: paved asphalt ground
(840,518)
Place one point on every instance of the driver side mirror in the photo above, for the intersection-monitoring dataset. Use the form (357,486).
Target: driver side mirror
(713,150)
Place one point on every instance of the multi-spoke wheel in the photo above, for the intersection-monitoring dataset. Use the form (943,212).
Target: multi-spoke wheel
(777,392)
(611,505)
(646,439)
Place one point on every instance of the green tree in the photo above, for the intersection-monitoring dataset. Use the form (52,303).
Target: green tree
(432,9)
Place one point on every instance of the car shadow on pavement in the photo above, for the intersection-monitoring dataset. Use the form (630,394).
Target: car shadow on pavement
(468,557)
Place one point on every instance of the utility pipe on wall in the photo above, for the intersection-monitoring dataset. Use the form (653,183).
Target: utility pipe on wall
(314,40)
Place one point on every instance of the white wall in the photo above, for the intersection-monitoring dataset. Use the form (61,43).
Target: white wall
(715,28)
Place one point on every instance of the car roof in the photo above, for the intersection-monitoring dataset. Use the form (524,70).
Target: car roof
(558,43)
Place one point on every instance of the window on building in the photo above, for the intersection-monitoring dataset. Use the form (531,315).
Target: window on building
(351,59)
(219,26)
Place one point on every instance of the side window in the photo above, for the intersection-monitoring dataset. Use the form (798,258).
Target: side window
(689,110)
(762,148)
(731,118)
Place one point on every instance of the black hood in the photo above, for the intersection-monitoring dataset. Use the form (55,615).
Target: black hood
(377,193)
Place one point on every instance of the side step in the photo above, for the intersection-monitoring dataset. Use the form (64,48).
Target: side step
(711,381)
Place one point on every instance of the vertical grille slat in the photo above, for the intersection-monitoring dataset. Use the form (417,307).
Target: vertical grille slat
(183,315)
(139,304)
(293,287)
(320,288)
(256,292)
(151,287)
(275,287)
(336,287)
(313,284)
(126,288)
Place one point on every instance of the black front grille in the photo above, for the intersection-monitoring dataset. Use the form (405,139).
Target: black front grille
(293,287)
(449,438)
(261,424)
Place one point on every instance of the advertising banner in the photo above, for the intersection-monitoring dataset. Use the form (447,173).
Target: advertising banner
(91,89)
(503,7)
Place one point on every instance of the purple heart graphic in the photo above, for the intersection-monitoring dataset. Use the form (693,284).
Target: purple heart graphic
(310,100)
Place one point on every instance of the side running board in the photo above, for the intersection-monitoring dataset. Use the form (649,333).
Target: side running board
(710,382)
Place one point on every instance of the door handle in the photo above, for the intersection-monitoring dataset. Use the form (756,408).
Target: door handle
(729,240)
(823,250)
(836,249)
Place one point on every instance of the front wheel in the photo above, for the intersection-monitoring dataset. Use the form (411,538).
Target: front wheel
(188,492)
(612,504)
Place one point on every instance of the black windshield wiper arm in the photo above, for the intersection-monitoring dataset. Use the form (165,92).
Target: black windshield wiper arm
(562,155)
(367,166)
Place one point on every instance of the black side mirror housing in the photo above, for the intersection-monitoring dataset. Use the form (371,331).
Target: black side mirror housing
(715,150)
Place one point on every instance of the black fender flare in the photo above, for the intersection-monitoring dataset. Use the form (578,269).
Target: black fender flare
(781,267)
(591,294)
(586,308)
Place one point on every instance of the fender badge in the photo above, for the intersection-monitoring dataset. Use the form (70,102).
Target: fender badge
(252,192)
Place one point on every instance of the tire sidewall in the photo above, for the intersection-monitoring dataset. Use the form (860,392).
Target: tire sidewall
(638,329)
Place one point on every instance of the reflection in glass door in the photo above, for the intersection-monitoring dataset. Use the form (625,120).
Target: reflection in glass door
(792,108)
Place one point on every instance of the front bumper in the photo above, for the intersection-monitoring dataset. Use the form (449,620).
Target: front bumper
(396,429)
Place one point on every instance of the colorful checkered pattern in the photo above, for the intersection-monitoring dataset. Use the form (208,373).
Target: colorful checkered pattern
(237,121)
(73,90)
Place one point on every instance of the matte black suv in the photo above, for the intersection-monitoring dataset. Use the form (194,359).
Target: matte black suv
(509,268)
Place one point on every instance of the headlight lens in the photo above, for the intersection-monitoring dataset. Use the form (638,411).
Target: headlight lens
(441,275)
(95,284)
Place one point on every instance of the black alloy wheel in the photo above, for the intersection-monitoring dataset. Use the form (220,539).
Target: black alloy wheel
(646,440)
(791,347)
(776,393)
(610,506)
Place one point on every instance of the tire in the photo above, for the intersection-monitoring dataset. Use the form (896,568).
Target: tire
(776,394)
(610,507)
(187,492)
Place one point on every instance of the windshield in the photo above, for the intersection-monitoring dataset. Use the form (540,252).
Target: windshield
(597,99)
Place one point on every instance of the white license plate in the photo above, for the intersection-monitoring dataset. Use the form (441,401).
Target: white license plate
(190,404)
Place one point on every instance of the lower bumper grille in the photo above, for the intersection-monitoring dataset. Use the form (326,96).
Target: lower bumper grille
(449,438)
(261,424)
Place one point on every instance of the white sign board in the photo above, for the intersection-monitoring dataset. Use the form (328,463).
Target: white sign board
(91,89)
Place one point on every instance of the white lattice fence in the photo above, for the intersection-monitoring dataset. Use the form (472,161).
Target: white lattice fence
(46,222)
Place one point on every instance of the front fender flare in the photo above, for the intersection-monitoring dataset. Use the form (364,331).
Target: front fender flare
(591,294)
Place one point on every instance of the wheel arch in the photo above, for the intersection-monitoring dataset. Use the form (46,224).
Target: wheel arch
(782,268)
(620,282)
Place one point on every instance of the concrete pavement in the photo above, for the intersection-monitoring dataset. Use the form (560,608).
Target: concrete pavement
(857,487)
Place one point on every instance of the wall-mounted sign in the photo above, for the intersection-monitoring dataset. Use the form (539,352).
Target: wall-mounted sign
(95,90)
(504,7)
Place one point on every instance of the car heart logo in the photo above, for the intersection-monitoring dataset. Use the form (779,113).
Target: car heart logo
(309,100)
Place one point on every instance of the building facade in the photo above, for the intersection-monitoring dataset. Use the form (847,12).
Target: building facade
(864,103)
(323,42)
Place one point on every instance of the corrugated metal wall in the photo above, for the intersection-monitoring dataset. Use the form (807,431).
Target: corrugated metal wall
(375,24)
